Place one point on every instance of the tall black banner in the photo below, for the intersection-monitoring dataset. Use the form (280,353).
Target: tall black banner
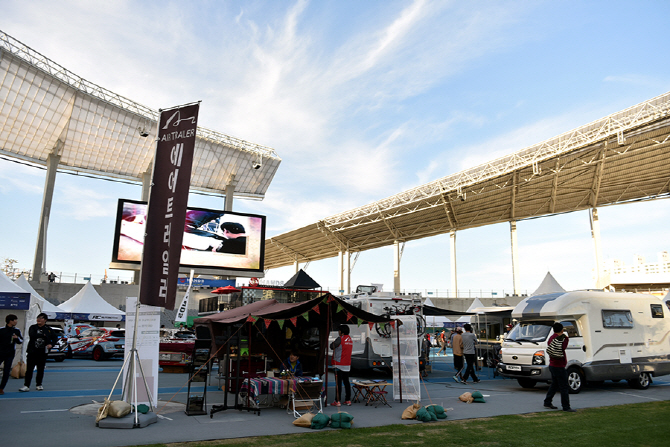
(166,212)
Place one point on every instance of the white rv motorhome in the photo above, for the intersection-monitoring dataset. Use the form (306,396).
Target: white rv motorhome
(613,336)
(372,347)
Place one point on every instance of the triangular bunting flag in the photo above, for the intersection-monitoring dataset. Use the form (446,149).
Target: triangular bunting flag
(359,322)
(267,323)
(252,319)
(371,325)
(316,309)
(306,316)
(294,320)
(339,307)
(349,316)
(281,324)
(393,324)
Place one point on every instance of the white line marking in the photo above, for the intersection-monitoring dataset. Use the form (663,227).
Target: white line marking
(164,417)
(638,396)
(44,411)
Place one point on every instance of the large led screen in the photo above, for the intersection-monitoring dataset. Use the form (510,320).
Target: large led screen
(212,239)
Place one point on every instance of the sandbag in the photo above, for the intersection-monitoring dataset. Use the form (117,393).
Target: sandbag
(341,420)
(118,409)
(19,370)
(437,410)
(424,415)
(410,412)
(304,421)
(478,397)
(466,397)
(320,421)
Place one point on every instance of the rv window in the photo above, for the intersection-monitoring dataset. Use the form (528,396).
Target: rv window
(570,328)
(656,311)
(357,305)
(617,319)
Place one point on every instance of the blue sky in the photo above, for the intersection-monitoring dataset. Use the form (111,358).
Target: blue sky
(361,100)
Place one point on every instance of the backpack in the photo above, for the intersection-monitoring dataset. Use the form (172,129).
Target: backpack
(555,348)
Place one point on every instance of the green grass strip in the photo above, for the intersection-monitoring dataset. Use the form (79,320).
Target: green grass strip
(641,425)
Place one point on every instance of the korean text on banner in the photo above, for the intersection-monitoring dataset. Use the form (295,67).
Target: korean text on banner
(166,212)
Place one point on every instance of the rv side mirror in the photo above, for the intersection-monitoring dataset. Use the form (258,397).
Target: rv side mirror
(584,348)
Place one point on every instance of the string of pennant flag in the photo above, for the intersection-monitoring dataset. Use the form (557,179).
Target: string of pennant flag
(305,315)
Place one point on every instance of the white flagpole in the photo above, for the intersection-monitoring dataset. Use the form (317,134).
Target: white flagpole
(182,310)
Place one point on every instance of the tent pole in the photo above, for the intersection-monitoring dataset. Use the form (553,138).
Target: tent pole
(328,324)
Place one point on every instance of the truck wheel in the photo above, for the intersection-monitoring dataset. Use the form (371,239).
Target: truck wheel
(60,358)
(98,354)
(641,382)
(575,380)
(527,383)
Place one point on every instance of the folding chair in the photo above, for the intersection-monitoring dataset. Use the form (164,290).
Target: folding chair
(303,399)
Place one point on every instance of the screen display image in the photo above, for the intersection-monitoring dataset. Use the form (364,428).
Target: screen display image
(212,239)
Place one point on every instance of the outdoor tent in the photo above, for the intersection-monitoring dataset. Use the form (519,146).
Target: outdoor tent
(53,312)
(437,317)
(15,300)
(548,285)
(302,280)
(88,305)
(276,328)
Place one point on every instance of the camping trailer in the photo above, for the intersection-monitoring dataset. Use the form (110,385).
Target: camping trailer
(372,346)
(613,336)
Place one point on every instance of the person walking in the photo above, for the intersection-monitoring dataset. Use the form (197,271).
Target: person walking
(469,351)
(9,336)
(443,343)
(42,338)
(457,348)
(556,346)
(342,348)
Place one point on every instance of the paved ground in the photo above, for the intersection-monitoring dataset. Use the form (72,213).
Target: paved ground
(61,415)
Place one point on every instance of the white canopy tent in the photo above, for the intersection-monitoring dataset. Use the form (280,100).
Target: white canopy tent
(88,305)
(548,285)
(35,298)
(434,320)
(21,303)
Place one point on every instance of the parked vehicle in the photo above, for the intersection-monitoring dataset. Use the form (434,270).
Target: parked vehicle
(98,342)
(58,352)
(613,336)
(175,350)
(372,347)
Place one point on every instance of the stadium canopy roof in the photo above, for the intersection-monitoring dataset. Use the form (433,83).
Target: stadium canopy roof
(44,109)
(620,158)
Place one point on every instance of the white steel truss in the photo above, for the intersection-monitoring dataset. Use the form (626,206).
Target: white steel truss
(620,158)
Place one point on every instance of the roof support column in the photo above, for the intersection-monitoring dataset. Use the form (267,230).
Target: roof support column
(230,189)
(296,266)
(41,247)
(595,234)
(396,267)
(452,250)
(340,271)
(347,272)
(515,258)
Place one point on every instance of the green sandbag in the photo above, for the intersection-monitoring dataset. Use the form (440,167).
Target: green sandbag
(320,421)
(477,396)
(425,416)
(437,410)
(341,420)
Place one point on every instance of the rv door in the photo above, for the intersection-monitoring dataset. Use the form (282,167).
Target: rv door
(575,350)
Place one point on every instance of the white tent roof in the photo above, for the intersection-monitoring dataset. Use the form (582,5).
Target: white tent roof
(7,285)
(88,301)
(548,285)
(45,305)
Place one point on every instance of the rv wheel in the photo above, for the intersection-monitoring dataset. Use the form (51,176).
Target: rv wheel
(641,382)
(527,383)
(575,380)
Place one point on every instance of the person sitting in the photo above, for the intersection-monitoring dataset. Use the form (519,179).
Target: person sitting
(293,365)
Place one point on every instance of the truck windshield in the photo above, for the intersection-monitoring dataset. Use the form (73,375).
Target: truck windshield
(532,331)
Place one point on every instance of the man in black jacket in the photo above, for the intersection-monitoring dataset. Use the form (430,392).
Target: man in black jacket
(9,336)
(42,338)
